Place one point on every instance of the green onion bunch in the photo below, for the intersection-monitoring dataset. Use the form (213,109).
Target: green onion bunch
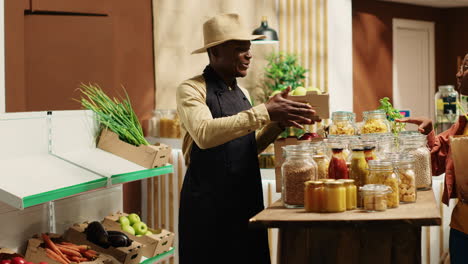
(114,114)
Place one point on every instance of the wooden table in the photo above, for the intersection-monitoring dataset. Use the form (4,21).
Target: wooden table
(393,236)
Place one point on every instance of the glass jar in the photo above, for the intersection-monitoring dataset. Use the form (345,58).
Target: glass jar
(446,100)
(351,194)
(405,170)
(417,146)
(375,122)
(343,124)
(165,124)
(322,166)
(314,196)
(335,197)
(381,172)
(338,169)
(375,197)
(359,168)
(385,144)
(298,167)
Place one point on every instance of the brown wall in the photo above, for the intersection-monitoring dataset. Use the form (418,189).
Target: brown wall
(40,77)
(372,46)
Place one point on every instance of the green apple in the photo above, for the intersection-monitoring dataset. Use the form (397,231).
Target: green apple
(300,91)
(123,220)
(314,89)
(134,218)
(148,233)
(275,93)
(140,228)
(139,235)
(128,229)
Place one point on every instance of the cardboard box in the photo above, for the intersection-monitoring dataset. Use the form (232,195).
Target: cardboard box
(150,156)
(125,255)
(6,253)
(37,253)
(320,103)
(159,242)
(279,158)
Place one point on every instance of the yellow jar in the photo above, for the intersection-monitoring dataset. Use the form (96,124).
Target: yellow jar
(313,196)
(328,180)
(351,193)
(335,197)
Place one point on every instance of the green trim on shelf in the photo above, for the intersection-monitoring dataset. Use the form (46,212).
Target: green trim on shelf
(159,257)
(143,174)
(63,192)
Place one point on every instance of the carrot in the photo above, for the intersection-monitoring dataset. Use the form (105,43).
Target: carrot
(66,243)
(68,251)
(53,247)
(89,255)
(82,247)
(78,259)
(51,254)
(92,251)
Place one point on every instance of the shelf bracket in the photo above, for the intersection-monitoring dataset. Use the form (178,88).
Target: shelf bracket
(51,211)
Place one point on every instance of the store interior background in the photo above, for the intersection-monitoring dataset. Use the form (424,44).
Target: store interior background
(52,46)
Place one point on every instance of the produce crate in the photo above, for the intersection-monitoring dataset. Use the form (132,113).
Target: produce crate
(125,255)
(160,241)
(320,103)
(36,252)
(6,253)
(150,156)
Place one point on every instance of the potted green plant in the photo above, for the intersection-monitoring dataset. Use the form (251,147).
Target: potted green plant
(283,70)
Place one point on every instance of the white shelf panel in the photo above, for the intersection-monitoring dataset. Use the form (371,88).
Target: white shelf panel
(101,162)
(33,176)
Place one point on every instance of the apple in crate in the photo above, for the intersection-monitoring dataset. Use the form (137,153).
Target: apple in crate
(123,220)
(140,228)
(128,229)
(134,218)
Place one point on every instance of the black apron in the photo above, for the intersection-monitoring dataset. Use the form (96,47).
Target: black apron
(222,190)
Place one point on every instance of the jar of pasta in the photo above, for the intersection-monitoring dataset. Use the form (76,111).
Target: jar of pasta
(375,197)
(314,196)
(351,193)
(298,168)
(405,170)
(381,172)
(343,124)
(165,124)
(375,122)
(335,197)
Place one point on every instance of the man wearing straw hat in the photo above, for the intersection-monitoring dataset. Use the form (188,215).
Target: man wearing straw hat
(443,160)
(222,188)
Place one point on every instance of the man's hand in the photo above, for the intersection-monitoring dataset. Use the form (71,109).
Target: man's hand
(424,124)
(289,113)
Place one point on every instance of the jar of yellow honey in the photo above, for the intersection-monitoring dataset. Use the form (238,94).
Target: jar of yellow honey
(351,193)
(314,196)
(335,197)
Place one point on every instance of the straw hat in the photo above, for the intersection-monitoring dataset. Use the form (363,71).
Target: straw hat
(222,28)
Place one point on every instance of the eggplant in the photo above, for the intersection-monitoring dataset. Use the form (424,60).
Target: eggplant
(96,233)
(119,239)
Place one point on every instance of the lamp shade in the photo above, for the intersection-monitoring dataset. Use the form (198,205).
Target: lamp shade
(270,33)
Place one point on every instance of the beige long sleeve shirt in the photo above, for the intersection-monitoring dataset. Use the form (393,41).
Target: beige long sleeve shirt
(209,132)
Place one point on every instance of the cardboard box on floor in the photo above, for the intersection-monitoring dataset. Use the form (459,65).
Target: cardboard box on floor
(150,156)
(124,255)
(279,158)
(159,242)
(36,253)
(320,103)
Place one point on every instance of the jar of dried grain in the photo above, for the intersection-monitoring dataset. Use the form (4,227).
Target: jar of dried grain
(416,145)
(298,168)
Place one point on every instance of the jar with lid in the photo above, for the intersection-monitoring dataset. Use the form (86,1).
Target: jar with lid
(335,197)
(322,166)
(385,144)
(381,172)
(298,167)
(351,193)
(405,170)
(358,170)
(417,146)
(369,147)
(342,124)
(165,123)
(446,100)
(375,122)
(314,196)
(375,197)
(338,169)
